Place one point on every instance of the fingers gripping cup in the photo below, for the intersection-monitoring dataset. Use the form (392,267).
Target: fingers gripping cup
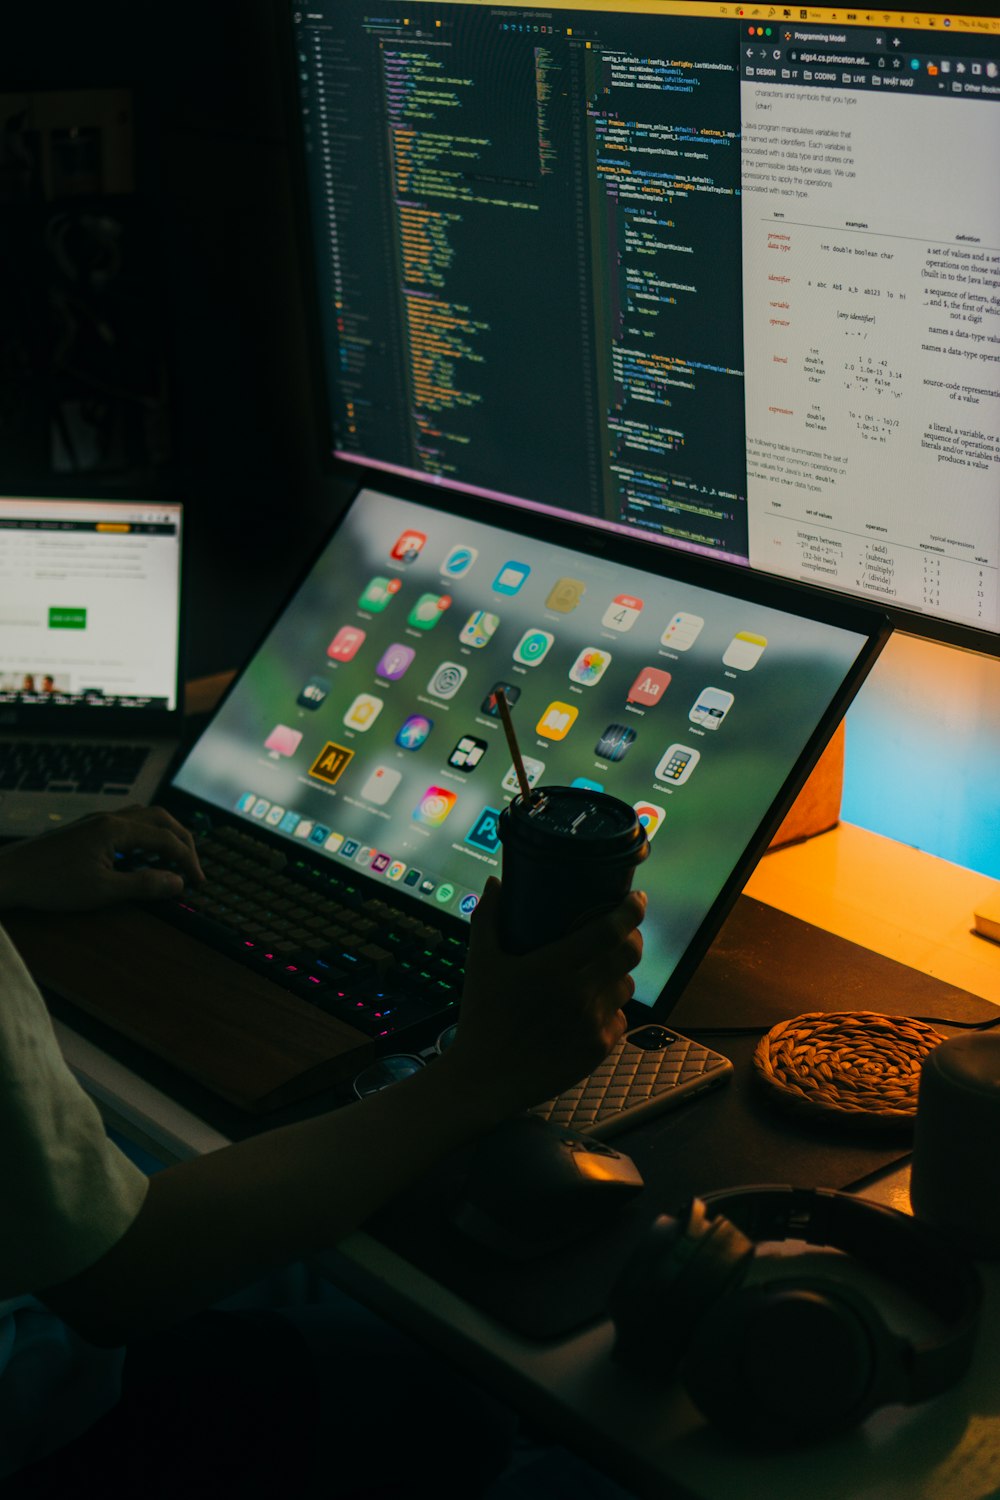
(567,853)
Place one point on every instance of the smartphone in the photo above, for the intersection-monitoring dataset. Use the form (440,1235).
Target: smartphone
(651,1069)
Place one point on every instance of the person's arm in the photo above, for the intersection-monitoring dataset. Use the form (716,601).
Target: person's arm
(530,1027)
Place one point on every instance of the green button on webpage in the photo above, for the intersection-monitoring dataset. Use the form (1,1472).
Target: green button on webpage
(67,619)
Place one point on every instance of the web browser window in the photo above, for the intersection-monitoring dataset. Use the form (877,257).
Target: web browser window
(89,603)
(871,304)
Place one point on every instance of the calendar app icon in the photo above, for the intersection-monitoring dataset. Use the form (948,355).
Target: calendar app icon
(622,613)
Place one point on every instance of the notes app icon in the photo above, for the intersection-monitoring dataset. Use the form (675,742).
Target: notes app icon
(744,651)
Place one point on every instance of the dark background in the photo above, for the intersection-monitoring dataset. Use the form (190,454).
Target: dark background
(152,290)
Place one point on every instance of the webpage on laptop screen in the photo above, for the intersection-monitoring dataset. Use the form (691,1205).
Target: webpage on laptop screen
(89,603)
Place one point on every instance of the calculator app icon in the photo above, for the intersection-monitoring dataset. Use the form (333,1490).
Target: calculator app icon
(677,764)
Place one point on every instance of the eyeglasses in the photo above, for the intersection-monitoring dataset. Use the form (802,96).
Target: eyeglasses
(399,1065)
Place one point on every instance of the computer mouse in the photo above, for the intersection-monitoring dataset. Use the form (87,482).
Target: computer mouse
(534,1187)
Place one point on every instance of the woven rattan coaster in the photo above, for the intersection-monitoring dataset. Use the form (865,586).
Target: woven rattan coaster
(851,1067)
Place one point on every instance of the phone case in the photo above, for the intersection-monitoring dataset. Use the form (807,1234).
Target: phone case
(637,1079)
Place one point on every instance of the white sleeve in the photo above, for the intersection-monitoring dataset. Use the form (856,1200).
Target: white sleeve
(67,1194)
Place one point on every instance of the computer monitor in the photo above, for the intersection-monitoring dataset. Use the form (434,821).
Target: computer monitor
(723,276)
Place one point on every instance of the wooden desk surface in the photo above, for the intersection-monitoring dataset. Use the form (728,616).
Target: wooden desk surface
(900,902)
(890,898)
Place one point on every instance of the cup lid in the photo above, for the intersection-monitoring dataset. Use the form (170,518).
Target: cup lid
(591,822)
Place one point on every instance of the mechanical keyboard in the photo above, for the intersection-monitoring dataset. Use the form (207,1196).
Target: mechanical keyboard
(362,959)
(314,932)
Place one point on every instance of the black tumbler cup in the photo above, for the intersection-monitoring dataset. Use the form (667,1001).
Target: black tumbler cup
(567,853)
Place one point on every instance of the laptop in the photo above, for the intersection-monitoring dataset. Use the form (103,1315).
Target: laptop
(358,767)
(90,688)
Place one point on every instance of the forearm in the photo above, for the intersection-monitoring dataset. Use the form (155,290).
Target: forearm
(218,1222)
(531,1026)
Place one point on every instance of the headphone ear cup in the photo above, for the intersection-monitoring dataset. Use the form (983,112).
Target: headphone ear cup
(784,1362)
(682,1267)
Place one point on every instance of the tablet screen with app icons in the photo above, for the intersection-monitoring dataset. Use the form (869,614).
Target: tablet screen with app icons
(368,719)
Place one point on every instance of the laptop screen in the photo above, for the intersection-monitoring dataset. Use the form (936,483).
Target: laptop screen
(90,611)
(365,728)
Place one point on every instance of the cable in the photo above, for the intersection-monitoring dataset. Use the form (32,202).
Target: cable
(964,1025)
(760,1030)
(729,1030)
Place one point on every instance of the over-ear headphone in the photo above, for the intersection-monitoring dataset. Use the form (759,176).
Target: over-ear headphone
(803,1357)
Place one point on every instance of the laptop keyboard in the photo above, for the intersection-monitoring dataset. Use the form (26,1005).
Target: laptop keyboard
(318,934)
(52,766)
